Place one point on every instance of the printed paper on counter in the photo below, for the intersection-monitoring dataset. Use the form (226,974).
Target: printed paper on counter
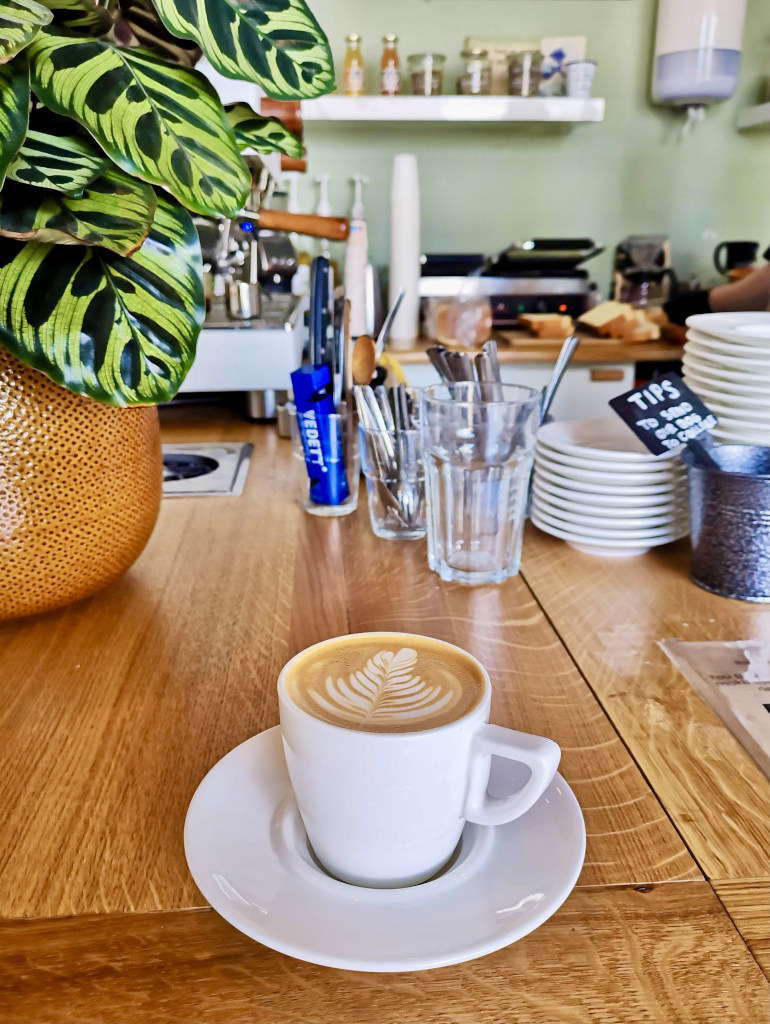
(734,680)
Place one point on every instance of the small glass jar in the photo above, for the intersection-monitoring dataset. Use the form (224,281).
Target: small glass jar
(426,73)
(476,76)
(525,73)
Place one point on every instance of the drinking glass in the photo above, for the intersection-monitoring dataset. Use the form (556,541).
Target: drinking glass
(395,482)
(479,445)
(353,471)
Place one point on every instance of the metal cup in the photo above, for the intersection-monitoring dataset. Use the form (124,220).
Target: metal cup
(730,522)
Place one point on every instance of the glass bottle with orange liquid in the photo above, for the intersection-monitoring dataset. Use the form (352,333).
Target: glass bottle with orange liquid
(354,66)
(390,67)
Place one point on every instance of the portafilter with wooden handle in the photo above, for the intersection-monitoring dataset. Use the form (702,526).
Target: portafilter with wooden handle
(336,229)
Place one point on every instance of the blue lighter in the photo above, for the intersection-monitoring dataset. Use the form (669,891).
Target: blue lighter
(321,431)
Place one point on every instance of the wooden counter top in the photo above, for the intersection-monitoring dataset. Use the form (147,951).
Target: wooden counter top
(114,709)
(520,347)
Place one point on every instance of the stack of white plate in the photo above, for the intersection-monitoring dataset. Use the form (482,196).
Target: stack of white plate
(727,364)
(597,487)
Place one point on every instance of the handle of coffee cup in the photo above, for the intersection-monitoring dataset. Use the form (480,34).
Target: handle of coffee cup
(541,756)
(722,247)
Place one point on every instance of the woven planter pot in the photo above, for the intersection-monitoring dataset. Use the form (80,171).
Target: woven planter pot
(80,490)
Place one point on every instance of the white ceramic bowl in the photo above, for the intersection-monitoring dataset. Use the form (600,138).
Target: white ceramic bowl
(724,353)
(608,477)
(604,506)
(607,548)
(600,440)
(747,346)
(647,490)
(755,379)
(713,392)
(651,468)
(613,525)
(596,532)
(740,327)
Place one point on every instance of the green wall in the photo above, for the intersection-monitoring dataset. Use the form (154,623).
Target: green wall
(486,185)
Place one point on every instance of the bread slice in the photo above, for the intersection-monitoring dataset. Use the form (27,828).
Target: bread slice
(608,319)
(548,325)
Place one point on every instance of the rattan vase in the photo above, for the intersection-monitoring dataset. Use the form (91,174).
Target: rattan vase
(80,490)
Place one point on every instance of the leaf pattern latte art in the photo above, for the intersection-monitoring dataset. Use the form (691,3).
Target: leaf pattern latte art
(385,692)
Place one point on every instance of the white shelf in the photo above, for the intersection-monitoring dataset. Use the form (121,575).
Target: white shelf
(755,117)
(490,109)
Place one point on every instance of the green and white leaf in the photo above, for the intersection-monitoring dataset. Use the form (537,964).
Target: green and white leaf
(142,21)
(162,123)
(14,111)
(84,17)
(115,211)
(265,134)
(65,163)
(276,43)
(119,329)
(20,22)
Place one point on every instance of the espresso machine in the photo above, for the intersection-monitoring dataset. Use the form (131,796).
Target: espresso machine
(254,333)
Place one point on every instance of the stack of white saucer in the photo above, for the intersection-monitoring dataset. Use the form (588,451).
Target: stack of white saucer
(727,364)
(598,488)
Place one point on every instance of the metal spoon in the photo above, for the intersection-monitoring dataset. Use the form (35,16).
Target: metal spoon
(565,356)
(387,323)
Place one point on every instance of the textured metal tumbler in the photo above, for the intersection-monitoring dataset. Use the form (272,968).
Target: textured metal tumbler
(730,522)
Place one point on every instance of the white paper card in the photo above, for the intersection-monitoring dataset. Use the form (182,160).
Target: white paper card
(734,680)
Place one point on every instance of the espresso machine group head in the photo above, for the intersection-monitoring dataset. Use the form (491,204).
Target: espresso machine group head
(254,333)
(250,254)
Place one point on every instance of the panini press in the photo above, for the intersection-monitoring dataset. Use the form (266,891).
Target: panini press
(541,275)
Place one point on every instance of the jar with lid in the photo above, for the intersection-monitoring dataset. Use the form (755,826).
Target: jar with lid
(390,67)
(354,66)
(476,76)
(525,73)
(426,72)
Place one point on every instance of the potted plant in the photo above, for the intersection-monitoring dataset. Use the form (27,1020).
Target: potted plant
(109,139)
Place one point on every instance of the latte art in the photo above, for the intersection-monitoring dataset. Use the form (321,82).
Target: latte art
(377,686)
(385,692)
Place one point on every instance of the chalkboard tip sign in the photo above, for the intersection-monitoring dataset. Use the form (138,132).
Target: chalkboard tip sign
(665,414)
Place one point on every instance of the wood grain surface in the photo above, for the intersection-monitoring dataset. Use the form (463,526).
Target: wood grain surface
(116,708)
(536,689)
(747,901)
(667,955)
(610,614)
(518,347)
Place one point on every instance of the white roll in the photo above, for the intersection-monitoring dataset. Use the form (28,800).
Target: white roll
(405,249)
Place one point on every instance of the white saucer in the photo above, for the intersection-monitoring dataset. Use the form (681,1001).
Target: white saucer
(607,547)
(597,440)
(738,327)
(606,485)
(248,853)
(612,477)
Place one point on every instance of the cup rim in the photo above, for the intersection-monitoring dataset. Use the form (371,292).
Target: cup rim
(691,463)
(285,699)
(534,396)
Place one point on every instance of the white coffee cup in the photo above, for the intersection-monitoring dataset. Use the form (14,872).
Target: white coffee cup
(580,78)
(386,809)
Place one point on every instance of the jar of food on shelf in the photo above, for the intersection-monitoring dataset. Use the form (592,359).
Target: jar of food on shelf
(426,72)
(354,66)
(390,67)
(476,76)
(525,73)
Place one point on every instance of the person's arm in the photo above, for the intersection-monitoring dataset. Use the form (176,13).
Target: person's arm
(749,293)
